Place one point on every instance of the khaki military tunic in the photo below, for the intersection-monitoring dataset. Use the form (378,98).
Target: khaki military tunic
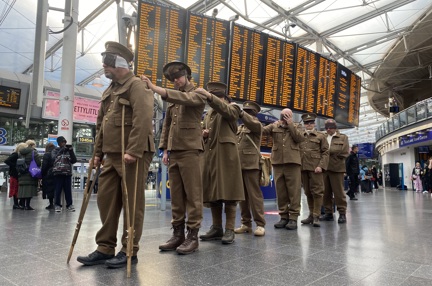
(315,153)
(249,158)
(139,143)
(334,175)
(286,162)
(182,137)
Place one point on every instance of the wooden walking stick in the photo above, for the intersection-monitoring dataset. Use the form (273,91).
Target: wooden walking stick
(86,199)
(125,102)
(131,230)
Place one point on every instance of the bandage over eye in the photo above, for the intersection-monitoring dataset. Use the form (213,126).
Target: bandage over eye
(114,61)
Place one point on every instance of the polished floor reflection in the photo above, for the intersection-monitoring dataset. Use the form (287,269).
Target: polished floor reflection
(386,241)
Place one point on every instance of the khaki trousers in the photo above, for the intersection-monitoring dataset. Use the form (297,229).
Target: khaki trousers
(254,199)
(185,176)
(288,189)
(334,187)
(110,201)
(313,185)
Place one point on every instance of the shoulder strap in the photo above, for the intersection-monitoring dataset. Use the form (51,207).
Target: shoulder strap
(256,147)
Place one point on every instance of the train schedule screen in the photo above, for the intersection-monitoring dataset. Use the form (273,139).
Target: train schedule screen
(279,72)
(207,49)
(247,64)
(160,40)
(305,84)
(326,89)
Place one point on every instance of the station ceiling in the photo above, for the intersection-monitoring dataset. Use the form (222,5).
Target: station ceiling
(387,43)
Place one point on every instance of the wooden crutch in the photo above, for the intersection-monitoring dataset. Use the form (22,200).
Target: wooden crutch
(86,198)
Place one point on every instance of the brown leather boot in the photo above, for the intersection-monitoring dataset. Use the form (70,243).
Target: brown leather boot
(316,221)
(176,240)
(191,243)
(308,220)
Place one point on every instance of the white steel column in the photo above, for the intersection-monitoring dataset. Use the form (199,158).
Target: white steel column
(65,122)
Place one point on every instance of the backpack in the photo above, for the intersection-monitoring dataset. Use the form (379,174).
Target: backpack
(21,166)
(266,171)
(62,165)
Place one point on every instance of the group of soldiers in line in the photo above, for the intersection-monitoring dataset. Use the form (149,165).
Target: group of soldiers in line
(212,162)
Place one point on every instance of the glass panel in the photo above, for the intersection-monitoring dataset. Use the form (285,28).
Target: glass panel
(421,110)
(429,107)
(396,121)
(403,119)
(411,114)
(390,126)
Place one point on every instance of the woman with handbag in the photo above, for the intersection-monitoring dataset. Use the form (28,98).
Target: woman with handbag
(28,186)
(11,161)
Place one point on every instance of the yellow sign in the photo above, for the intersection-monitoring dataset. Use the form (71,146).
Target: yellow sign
(85,140)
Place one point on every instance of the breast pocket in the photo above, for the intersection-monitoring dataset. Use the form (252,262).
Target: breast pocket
(189,129)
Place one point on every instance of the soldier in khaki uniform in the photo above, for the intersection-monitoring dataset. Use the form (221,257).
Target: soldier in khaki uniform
(182,139)
(249,140)
(128,91)
(286,162)
(315,155)
(334,175)
(222,170)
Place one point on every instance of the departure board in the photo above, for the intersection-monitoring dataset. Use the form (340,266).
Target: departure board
(246,65)
(348,97)
(160,40)
(279,72)
(207,49)
(354,100)
(305,84)
(10,97)
(326,89)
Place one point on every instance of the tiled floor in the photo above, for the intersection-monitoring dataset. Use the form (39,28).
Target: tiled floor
(386,241)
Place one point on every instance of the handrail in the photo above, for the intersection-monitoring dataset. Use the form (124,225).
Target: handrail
(421,111)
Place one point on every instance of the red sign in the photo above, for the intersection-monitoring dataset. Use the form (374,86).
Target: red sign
(85,109)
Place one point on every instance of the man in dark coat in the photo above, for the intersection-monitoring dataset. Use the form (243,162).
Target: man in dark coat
(353,172)
(48,182)
(222,177)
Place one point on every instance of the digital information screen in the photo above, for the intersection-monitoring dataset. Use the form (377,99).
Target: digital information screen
(326,89)
(354,100)
(207,49)
(279,73)
(305,83)
(10,97)
(160,40)
(247,64)
(347,103)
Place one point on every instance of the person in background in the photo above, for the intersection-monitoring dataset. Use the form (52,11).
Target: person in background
(334,175)
(27,185)
(63,181)
(315,158)
(286,162)
(353,172)
(427,176)
(183,150)
(365,179)
(249,140)
(13,176)
(417,174)
(374,178)
(222,175)
(48,183)
(129,98)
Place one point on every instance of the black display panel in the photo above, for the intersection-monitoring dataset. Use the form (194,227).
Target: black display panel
(326,89)
(348,97)
(207,49)
(10,97)
(305,83)
(246,64)
(279,72)
(160,40)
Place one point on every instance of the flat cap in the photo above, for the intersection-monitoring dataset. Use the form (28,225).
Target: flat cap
(118,49)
